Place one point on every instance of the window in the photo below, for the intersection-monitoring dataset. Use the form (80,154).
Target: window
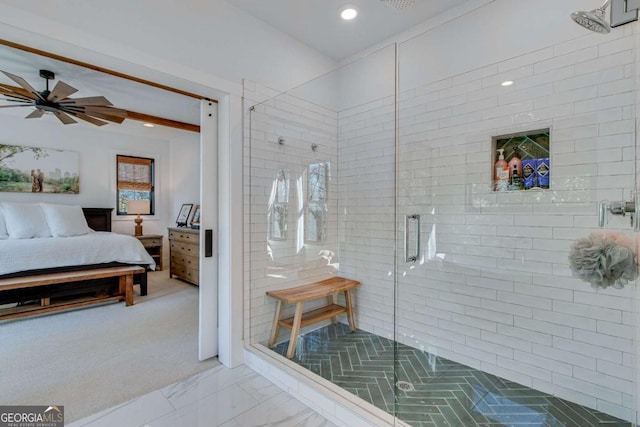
(135,182)
(279,207)
(316,215)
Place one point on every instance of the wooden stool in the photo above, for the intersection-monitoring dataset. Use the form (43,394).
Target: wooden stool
(328,288)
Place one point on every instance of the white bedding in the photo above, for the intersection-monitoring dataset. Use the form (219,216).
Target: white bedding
(93,248)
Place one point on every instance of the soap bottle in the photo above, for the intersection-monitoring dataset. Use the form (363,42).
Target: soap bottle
(516,181)
(515,161)
(501,172)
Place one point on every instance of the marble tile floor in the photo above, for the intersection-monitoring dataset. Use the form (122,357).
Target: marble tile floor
(223,397)
(432,391)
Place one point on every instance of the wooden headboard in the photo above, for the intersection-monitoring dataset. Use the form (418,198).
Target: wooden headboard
(99,219)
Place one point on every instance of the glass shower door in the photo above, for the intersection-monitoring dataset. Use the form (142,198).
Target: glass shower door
(496,318)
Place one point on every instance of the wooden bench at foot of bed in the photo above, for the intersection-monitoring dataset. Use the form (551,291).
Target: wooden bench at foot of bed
(125,288)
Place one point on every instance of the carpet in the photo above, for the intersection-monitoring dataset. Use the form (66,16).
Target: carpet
(93,358)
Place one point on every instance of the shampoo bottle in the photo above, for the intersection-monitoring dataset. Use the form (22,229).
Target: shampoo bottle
(516,181)
(502,172)
(515,162)
(529,173)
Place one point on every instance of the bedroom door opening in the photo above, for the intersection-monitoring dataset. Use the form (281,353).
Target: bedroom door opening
(208,156)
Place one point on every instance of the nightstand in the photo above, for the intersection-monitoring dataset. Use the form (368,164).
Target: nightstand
(153,244)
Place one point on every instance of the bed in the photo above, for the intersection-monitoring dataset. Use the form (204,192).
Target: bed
(41,238)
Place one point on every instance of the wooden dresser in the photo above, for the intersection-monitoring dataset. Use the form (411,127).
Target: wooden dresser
(184,254)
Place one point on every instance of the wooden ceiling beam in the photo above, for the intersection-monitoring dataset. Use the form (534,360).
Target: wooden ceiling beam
(147,118)
(132,115)
(101,69)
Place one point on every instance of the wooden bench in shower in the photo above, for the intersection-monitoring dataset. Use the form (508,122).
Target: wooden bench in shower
(328,288)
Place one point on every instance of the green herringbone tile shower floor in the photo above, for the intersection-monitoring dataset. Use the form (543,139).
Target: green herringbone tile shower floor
(437,392)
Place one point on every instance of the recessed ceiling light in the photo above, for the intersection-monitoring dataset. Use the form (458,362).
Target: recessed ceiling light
(148,125)
(507,83)
(348,13)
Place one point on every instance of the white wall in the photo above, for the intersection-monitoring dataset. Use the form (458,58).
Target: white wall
(184,175)
(365,79)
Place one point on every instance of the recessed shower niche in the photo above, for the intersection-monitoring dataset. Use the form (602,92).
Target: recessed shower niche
(521,161)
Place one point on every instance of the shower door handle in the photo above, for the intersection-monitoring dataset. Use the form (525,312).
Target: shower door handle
(411,257)
(602,214)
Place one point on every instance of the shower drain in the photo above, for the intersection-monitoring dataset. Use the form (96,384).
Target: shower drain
(405,386)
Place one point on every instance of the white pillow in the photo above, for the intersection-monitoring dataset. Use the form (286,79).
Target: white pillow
(25,220)
(3,227)
(65,220)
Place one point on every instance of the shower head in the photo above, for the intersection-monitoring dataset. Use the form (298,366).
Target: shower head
(593,20)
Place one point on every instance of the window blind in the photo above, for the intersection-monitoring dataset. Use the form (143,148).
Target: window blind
(134,173)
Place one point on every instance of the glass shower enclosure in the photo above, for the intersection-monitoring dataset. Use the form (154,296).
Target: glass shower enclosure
(476,305)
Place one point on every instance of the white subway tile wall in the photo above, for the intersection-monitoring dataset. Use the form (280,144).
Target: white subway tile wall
(496,274)
(492,288)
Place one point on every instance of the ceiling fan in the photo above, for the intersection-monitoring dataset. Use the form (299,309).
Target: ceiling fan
(96,110)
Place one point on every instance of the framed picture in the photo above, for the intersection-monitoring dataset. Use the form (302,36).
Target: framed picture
(195,221)
(183,216)
(39,170)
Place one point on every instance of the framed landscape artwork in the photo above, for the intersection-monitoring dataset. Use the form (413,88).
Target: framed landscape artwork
(39,170)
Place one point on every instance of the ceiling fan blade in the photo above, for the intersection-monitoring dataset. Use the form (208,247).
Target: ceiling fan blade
(91,120)
(23,83)
(14,106)
(60,92)
(35,114)
(111,111)
(16,98)
(94,109)
(10,92)
(21,101)
(64,117)
(92,100)
(114,119)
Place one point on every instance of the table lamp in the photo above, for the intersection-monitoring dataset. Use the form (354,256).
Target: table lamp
(138,207)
